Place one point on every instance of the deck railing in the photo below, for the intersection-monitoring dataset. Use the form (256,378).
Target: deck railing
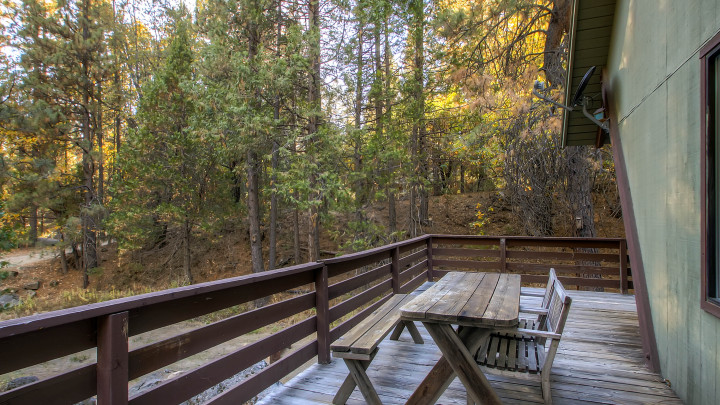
(319,301)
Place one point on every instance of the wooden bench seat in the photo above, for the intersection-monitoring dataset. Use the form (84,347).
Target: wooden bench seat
(359,346)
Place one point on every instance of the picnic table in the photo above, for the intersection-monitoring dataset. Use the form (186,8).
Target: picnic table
(477,303)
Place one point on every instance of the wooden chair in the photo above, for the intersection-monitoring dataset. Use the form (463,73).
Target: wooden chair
(531,347)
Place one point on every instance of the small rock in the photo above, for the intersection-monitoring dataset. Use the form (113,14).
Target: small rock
(35,285)
(19,382)
(54,283)
(13,273)
(31,294)
(9,300)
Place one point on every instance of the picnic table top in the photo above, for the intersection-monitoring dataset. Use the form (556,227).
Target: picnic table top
(468,298)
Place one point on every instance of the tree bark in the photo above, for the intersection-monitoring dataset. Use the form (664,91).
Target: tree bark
(359,183)
(101,152)
(90,260)
(392,213)
(187,228)
(33,234)
(418,130)
(557,27)
(579,195)
(274,161)
(254,212)
(313,126)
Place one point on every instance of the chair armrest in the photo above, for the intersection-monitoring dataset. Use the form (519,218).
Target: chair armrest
(530,332)
(531,310)
(532,294)
(538,333)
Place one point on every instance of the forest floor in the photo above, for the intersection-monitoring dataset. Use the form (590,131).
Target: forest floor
(123,274)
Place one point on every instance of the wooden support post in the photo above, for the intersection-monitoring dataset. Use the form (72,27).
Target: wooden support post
(112,359)
(503,255)
(322,306)
(430,274)
(623,267)
(395,270)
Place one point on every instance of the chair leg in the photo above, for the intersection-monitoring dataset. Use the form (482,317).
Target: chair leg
(545,382)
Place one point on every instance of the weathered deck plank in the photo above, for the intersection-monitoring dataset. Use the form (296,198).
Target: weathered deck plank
(600,361)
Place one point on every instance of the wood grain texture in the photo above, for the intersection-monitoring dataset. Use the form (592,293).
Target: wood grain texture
(599,361)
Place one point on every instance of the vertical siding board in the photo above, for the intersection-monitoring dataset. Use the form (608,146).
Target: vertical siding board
(658,106)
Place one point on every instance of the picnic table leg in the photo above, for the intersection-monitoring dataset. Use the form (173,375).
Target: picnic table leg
(456,352)
(411,328)
(349,385)
(442,374)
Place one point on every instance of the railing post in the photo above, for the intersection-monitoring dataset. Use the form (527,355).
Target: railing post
(322,306)
(112,359)
(430,259)
(503,255)
(395,270)
(623,267)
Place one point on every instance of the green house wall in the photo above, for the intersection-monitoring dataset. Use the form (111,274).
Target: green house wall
(654,73)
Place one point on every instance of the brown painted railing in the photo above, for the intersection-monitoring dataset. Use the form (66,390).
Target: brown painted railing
(324,301)
(579,262)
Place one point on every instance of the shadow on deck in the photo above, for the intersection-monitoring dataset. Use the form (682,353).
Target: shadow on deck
(600,361)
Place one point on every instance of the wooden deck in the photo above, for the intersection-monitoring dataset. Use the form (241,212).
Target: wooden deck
(600,361)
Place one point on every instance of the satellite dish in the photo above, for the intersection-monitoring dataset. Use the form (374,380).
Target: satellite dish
(578,99)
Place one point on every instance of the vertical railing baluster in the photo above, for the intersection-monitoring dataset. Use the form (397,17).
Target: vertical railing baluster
(623,267)
(112,359)
(430,274)
(395,270)
(503,255)
(322,306)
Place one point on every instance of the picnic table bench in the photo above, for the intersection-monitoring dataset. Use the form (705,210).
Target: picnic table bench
(359,346)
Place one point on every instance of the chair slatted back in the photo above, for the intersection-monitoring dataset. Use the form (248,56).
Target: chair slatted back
(558,307)
(549,290)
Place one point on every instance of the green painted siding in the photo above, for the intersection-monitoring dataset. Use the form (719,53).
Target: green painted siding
(654,72)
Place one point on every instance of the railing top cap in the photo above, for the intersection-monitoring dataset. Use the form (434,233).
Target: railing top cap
(64,316)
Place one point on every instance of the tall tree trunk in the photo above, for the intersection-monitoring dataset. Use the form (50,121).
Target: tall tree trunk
(63,260)
(578,192)
(272,259)
(118,115)
(274,161)
(253,161)
(313,126)
(359,183)
(253,169)
(557,27)
(33,234)
(90,260)
(579,188)
(392,213)
(101,152)
(187,228)
(296,231)
(418,141)
(462,178)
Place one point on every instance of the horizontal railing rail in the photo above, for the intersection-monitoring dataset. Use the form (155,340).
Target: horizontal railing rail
(579,262)
(313,304)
